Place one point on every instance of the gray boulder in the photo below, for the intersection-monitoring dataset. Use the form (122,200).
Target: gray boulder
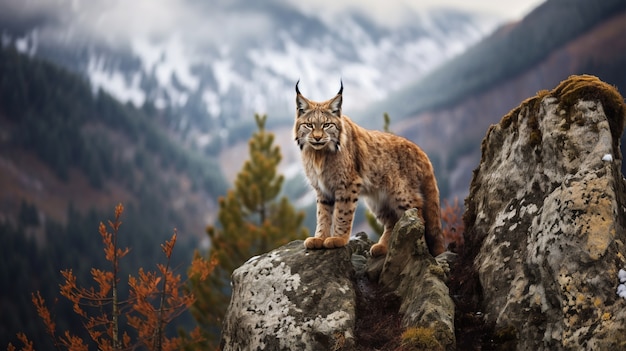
(546,216)
(292,299)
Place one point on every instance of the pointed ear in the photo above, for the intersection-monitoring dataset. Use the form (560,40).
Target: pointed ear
(302,104)
(335,103)
(297,90)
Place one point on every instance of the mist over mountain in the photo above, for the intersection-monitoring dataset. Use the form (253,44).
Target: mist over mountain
(214,64)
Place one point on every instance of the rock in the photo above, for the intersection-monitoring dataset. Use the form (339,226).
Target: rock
(418,280)
(294,299)
(545,220)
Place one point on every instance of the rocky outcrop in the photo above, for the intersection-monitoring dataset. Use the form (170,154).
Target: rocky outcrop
(544,247)
(418,279)
(297,299)
(546,223)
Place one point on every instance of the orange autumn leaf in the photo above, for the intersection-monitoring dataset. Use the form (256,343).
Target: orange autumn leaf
(201,267)
(452,223)
(155,299)
(169,245)
(74,343)
(104,280)
(43,312)
(28,345)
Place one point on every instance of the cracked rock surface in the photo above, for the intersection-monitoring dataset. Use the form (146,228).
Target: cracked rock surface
(547,206)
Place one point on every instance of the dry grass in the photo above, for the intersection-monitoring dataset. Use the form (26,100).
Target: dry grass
(378,323)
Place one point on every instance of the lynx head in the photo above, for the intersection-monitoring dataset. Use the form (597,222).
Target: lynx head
(318,124)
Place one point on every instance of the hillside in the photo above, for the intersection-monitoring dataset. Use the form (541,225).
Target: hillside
(508,52)
(62,144)
(68,155)
(448,112)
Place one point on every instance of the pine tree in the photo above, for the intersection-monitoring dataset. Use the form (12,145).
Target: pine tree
(252,222)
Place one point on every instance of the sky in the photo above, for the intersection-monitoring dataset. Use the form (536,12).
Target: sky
(383,10)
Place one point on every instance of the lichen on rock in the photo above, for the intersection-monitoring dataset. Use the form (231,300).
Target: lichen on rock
(546,219)
(292,299)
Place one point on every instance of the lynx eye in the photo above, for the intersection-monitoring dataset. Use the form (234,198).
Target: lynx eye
(308,125)
(327,125)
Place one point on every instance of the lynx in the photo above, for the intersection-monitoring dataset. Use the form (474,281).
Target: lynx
(343,160)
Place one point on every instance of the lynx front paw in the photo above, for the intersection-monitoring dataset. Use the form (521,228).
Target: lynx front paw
(334,242)
(378,250)
(314,243)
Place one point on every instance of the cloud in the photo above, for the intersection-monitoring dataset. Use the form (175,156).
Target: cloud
(116,21)
(207,25)
(399,11)
(21,16)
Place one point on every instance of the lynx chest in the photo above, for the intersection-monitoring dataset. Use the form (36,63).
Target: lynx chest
(325,171)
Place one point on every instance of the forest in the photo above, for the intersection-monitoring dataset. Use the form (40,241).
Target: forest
(52,116)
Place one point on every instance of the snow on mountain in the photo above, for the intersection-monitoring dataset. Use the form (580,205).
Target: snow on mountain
(115,82)
(221,62)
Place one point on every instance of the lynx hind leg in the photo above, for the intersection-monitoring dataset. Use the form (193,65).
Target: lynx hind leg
(380,248)
(390,215)
(388,219)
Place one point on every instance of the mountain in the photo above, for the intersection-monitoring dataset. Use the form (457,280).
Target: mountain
(67,157)
(62,144)
(214,64)
(207,73)
(448,111)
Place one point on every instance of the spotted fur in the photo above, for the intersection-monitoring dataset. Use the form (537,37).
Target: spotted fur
(343,161)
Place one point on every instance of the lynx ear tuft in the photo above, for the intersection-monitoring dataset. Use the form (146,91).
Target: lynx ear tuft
(302,104)
(340,89)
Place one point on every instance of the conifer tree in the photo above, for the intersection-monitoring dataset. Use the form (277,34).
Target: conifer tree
(252,221)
